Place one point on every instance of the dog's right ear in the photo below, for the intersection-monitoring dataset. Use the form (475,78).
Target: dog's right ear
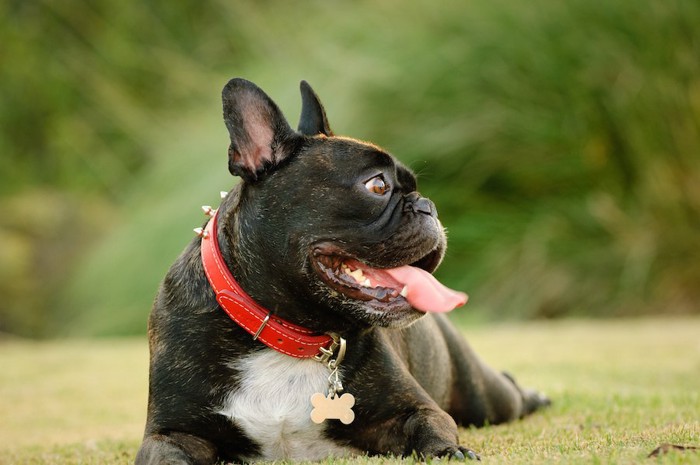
(313,119)
(260,134)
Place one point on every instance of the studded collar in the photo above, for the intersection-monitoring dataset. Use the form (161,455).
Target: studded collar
(276,333)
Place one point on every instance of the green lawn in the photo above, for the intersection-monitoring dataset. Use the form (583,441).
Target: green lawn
(620,389)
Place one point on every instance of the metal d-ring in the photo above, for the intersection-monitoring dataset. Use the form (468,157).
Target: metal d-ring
(342,347)
(326,355)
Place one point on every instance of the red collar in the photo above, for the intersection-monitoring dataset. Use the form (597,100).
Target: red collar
(274,332)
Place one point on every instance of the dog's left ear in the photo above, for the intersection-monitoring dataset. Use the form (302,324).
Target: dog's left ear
(313,119)
(260,135)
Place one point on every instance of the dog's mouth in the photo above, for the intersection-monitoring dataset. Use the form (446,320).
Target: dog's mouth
(407,285)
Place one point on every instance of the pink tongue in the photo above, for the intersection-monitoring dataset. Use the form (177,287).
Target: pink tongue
(425,293)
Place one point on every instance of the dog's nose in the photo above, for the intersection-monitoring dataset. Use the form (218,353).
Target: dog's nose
(417,204)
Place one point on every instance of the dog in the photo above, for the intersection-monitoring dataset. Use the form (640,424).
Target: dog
(303,321)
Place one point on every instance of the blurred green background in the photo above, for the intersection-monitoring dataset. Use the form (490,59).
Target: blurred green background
(560,141)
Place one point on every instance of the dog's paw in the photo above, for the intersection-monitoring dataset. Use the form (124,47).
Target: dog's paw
(458,453)
(533,400)
(463,454)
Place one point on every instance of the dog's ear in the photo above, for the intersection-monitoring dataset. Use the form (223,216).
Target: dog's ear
(313,117)
(260,135)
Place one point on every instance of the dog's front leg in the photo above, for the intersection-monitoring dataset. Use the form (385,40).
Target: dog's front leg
(403,421)
(394,413)
(433,433)
(175,449)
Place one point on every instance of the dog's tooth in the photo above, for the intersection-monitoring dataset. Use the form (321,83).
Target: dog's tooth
(366,283)
(404,291)
(223,194)
(358,275)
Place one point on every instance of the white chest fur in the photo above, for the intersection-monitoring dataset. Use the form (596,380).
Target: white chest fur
(272,405)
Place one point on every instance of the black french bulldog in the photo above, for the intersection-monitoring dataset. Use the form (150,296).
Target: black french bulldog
(331,237)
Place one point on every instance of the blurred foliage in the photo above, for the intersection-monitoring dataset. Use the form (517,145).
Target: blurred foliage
(560,140)
(83,82)
(563,148)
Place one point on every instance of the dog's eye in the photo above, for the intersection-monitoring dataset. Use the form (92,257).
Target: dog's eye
(376,185)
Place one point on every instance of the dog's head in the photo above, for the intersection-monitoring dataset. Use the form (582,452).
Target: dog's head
(327,230)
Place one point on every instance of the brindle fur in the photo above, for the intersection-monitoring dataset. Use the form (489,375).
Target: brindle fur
(413,383)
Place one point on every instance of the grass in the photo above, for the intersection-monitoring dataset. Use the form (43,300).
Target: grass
(620,389)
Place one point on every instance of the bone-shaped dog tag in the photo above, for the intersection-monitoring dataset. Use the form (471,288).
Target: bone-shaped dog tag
(332,408)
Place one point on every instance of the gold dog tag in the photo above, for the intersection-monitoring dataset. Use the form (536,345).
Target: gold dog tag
(332,407)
